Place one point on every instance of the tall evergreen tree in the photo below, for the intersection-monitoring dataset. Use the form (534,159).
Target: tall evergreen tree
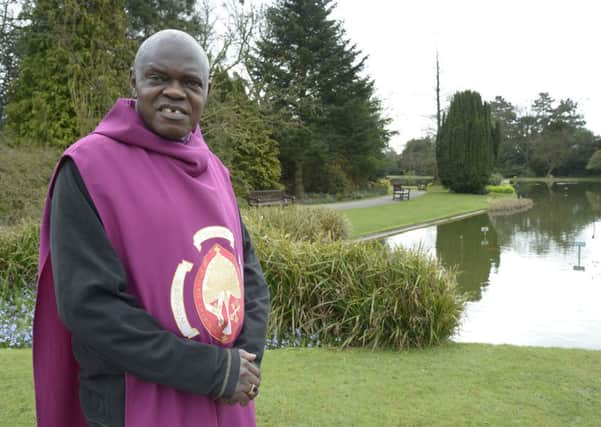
(146,17)
(236,131)
(543,110)
(75,58)
(9,58)
(465,148)
(509,153)
(310,77)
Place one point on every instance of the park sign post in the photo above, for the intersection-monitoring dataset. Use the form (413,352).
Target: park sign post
(579,245)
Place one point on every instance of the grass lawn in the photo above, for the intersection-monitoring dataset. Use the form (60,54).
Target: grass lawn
(16,388)
(450,385)
(436,204)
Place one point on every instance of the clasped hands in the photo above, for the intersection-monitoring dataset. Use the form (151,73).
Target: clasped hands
(249,378)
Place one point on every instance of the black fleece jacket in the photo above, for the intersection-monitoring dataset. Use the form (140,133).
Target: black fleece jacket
(112,335)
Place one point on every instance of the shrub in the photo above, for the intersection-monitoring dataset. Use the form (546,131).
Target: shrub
(501,189)
(24,174)
(348,294)
(412,180)
(509,206)
(357,294)
(298,222)
(370,189)
(495,179)
(18,257)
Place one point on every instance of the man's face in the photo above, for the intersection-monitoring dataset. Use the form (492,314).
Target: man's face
(171,83)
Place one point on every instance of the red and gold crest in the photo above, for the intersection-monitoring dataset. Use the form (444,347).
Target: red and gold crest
(218,294)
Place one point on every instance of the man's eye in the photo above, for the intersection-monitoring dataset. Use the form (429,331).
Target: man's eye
(194,84)
(155,78)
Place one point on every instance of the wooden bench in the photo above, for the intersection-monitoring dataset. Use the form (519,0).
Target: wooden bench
(269,197)
(399,192)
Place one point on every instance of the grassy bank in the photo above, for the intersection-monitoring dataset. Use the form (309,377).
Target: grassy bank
(450,385)
(24,176)
(550,180)
(436,204)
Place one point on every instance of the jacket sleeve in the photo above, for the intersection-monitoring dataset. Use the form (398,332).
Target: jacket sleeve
(256,302)
(90,283)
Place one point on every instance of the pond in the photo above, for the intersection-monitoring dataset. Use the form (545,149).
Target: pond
(526,281)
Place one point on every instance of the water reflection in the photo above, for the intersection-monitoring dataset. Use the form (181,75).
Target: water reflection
(518,270)
(472,246)
(560,211)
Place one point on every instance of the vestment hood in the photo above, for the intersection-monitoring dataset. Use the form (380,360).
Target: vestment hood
(124,124)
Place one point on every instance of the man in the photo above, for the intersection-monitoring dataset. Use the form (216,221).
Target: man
(145,261)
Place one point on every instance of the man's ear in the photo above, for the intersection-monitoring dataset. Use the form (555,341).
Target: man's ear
(132,82)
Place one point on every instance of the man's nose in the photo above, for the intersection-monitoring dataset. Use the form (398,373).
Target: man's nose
(174,90)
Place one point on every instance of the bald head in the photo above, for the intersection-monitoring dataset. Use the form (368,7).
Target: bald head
(170,79)
(174,38)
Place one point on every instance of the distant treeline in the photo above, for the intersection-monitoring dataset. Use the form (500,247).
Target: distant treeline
(548,139)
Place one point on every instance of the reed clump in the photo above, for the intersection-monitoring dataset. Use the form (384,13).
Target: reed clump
(509,206)
(349,293)
(358,294)
(298,222)
(18,257)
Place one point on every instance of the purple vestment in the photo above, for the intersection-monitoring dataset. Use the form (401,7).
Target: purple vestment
(170,213)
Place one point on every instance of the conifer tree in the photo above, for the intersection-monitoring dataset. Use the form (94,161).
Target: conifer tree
(9,30)
(331,128)
(465,150)
(146,17)
(75,58)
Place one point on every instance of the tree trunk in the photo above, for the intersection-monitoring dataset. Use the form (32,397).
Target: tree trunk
(437,96)
(299,187)
(438,118)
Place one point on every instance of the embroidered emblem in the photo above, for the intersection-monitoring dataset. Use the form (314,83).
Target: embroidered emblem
(217,294)
(217,289)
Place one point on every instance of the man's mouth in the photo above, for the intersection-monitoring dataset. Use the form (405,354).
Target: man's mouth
(171,109)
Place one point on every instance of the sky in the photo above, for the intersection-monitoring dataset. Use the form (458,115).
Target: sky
(515,49)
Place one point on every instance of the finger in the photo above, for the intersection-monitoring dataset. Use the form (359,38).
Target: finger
(245,382)
(246,355)
(239,397)
(250,367)
(244,399)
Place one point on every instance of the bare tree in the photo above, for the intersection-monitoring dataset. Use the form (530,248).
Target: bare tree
(227,33)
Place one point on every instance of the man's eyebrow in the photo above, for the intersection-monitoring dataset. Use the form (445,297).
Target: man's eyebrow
(190,73)
(154,68)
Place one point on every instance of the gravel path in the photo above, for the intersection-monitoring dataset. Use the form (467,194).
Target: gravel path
(368,203)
